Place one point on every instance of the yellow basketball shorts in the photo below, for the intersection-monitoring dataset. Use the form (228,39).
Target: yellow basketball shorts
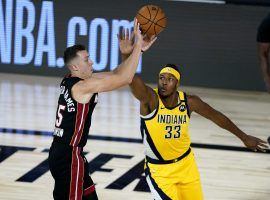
(176,181)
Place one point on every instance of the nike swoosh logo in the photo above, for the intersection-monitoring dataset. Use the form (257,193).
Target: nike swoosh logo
(162,108)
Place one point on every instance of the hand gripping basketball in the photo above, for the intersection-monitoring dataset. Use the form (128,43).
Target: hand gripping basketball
(152,20)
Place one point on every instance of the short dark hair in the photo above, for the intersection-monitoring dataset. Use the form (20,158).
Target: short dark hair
(174,67)
(71,52)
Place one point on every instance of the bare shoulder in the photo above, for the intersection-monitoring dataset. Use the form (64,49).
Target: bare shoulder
(193,98)
(79,92)
(193,102)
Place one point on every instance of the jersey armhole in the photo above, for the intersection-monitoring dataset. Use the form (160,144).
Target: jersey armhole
(185,100)
(152,114)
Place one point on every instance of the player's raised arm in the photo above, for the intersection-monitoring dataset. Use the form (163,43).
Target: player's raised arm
(122,75)
(139,89)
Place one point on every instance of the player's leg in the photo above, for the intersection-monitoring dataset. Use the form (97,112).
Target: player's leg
(77,174)
(59,164)
(160,186)
(190,186)
(89,192)
(191,191)
(61,189)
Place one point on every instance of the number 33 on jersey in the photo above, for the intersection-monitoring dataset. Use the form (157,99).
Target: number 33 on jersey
(167,128)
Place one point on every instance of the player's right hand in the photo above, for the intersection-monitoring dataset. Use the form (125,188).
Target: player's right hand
(255,143)
(143,40)
(148,43)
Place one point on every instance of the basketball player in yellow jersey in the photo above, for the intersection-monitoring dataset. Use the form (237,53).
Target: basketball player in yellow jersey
(170,167)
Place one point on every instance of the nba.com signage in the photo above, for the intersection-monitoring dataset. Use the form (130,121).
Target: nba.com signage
(29,35)
(35,33)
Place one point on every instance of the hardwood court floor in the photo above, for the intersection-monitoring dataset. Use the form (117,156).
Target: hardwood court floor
(228,172)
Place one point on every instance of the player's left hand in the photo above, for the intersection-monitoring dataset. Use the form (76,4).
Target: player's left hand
(254,143)
(126,42)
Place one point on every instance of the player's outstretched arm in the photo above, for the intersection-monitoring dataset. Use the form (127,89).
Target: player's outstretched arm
(121,76)
(205,110)
(126,44)
(142,92)
(139,89)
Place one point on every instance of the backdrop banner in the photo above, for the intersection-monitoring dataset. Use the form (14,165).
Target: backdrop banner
(214,44)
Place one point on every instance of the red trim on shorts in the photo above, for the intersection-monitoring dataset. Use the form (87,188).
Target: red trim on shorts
(82,111)
(77,173)
(89,190)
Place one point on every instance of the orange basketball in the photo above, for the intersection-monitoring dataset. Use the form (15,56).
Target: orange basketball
(152,20)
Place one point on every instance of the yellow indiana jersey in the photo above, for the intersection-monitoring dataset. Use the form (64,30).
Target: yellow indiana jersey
(165,131)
